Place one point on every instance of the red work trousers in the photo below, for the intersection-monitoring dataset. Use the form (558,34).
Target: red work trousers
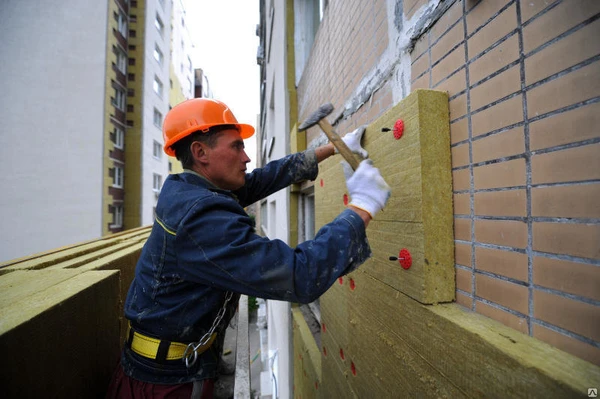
(124,387)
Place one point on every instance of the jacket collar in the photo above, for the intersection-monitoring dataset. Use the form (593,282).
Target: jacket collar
(210,185)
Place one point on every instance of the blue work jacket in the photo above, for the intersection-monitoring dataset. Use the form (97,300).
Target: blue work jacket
(203,244)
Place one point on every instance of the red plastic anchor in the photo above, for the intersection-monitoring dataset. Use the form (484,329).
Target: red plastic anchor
(398,129)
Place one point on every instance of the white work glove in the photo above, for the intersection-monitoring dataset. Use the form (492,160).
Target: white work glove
(352,140)
(368,191)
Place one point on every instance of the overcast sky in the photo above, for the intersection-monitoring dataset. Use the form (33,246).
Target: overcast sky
(225,46)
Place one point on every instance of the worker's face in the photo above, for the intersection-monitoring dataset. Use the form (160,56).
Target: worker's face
(226,161)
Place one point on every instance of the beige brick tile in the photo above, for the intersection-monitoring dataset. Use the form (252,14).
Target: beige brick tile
(421,46)
(508,319)
(447,42)
(419,66)
(462,229)
(508,233)
(567,344)
(492,32)
(482,13)
(464,300)
(459,131)
(574,87)
(462,204)
(509,295)
(572,315)
(463,279)
(499,86)
(575,239)
(461,180)
(530,8)
(499,175)
(507,143)
(571,277)
(579,201)
(497,58)
(462,254)
(567,127)
(458,107)
(563,54)
(570,165)
(505,263)
(420,83)
(454,84)
(500,115)
(557,21)
(452,62)
(412,6)
(501,203)
(460,155)
(450,16)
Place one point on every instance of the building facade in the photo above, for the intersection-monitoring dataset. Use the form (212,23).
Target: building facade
(91,91)
(521,79)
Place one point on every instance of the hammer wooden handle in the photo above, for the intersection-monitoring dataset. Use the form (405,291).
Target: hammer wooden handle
(339,143)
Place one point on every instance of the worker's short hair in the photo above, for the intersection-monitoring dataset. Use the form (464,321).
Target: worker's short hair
(182,147)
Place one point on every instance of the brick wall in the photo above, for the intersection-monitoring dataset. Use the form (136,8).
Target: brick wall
(524,84)
(342,55)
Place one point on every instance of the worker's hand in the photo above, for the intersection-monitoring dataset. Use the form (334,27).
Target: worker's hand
(352,140)
(368,191)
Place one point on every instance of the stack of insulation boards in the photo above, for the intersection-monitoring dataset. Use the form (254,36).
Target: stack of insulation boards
(61,316)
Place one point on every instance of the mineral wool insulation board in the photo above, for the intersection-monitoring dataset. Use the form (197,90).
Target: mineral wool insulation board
(410,144)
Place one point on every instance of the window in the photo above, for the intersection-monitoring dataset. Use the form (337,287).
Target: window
(121,60)
(157,182)
(159,25)
(306,217)
(190,63)
(157,150)
(121,23)
(263,217)
(118,177)
(158,118)
(120,99)
(158,87)
(158,55)
(119,138)
(117,216)
(306,231)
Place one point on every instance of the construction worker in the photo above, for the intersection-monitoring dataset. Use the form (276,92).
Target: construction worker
(203,251)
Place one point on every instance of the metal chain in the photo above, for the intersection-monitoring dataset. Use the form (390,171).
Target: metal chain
(192,348)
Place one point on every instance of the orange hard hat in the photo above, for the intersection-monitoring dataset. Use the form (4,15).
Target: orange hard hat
(198,114)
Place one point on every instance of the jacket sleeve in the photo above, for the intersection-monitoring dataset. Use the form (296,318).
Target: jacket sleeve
(217,246)
(276,175)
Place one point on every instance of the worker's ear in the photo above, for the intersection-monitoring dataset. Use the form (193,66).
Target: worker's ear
(199,151)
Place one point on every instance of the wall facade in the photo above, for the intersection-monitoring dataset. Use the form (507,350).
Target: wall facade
(522,84)
(522,77)
(53,126)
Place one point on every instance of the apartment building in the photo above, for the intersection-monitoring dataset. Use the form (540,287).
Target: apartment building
(90,82)
(521,269)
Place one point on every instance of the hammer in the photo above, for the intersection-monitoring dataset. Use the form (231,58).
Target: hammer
(318,118)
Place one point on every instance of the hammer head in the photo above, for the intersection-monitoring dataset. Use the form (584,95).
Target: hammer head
(319,114)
